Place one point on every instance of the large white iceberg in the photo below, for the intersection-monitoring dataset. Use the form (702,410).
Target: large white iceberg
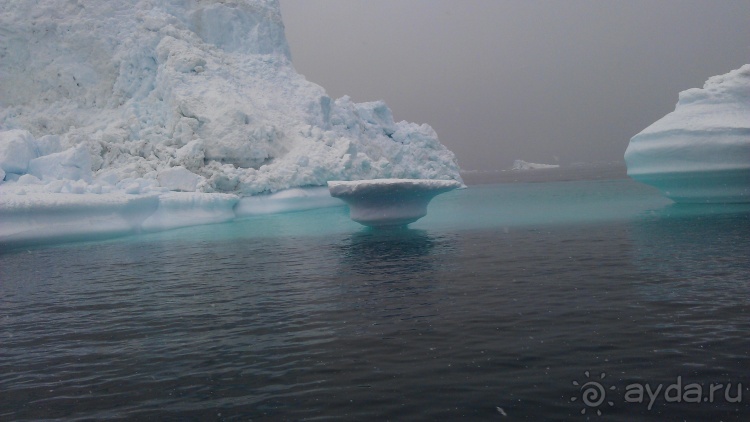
(700,152)
(389,202)
(148,97)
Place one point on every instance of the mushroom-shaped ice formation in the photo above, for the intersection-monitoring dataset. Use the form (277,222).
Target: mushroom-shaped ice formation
(700,152)
(389,202)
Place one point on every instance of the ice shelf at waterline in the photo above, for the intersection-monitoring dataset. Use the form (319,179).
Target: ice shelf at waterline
(389,202)
(700,152)
(180,111)
(35,216)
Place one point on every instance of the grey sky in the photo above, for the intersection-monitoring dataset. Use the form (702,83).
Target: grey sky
(500,80)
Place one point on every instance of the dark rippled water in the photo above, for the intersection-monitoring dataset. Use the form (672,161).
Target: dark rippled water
(489,309)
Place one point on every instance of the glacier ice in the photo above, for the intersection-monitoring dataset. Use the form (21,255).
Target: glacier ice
(179,179)
(700,152)
(71,164)
(389,202)
(173,100)
(16,150)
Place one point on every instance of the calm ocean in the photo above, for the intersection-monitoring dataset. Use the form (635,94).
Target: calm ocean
(526,300)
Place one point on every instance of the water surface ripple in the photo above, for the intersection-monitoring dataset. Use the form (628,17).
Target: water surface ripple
(430,323)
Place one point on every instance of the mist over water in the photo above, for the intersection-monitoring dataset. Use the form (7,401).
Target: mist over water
(503,296)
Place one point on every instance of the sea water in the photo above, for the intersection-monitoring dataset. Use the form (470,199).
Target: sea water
(526,301)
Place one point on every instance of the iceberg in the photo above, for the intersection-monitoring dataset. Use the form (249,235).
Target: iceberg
(195,105)
(389,202)
(525,165)
(700,152)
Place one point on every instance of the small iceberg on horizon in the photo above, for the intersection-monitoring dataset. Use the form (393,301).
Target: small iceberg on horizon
(389,202)
(525,165)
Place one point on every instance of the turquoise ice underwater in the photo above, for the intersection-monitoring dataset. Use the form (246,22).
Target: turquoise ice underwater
(484,206)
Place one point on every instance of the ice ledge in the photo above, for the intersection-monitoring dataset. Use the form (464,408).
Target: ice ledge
(389,202)
(31,215)
(710,186)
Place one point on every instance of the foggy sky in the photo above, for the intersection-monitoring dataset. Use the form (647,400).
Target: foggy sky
(501,79)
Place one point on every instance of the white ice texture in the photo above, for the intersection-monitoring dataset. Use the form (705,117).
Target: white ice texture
(389,202)
(700,152)
(170,99)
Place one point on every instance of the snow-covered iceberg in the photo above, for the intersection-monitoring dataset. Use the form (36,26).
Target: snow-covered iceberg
(179,99)
(525,165)
(389,202)
(700,152)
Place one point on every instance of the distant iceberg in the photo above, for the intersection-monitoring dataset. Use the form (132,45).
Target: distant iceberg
(195,105)
(700,152)
(524,165)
